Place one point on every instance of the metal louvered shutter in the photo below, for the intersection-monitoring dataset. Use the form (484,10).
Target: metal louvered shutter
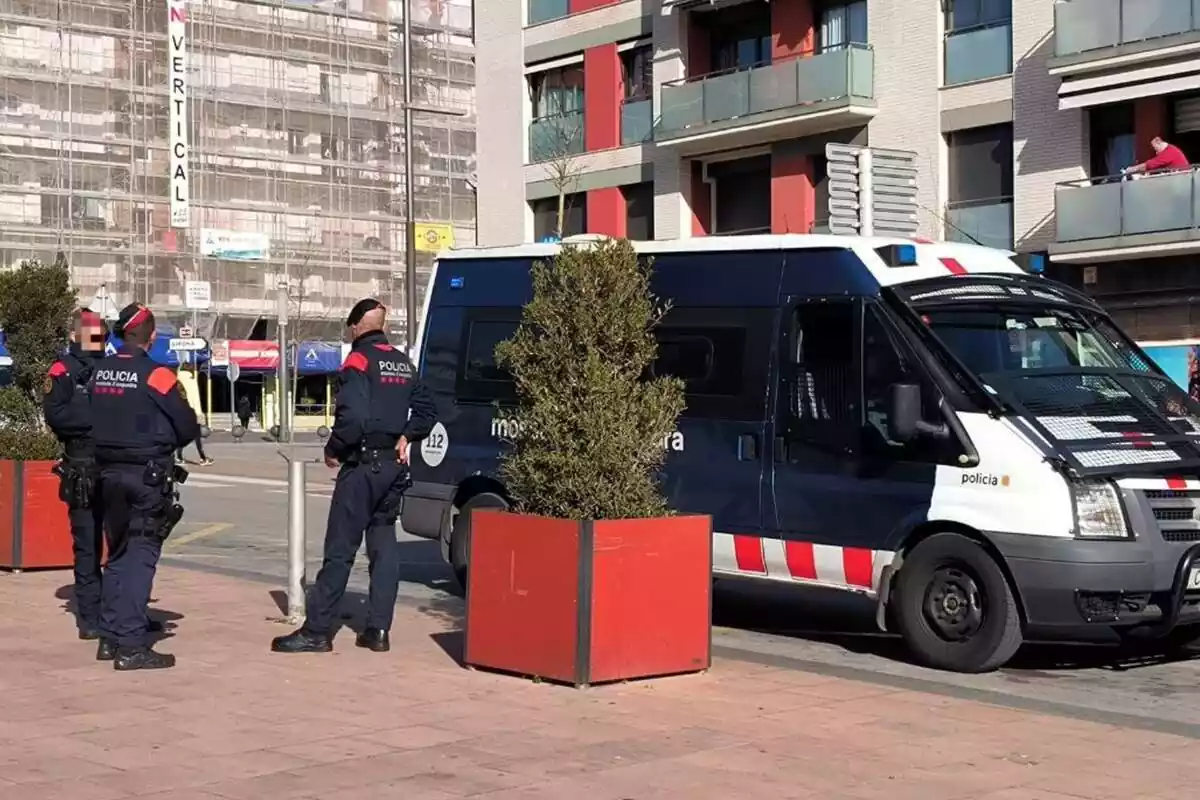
(1187,115)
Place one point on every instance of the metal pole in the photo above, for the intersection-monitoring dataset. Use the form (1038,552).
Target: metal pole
(410,228)
(296,538)
(284,378)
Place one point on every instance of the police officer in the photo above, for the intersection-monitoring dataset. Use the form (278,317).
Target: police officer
(372,429)
(68,413)
(146,419)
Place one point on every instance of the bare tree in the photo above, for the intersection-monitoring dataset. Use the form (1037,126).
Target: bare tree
(305,321)
(556,144)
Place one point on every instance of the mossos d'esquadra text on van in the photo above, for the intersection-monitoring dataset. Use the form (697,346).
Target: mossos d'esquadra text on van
(509,428)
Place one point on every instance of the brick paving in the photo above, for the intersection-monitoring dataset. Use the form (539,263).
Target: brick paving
(235,721)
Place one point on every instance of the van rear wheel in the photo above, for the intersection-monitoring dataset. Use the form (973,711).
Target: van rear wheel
(460,533)
(954,606)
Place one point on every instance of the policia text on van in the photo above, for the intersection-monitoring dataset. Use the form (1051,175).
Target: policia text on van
(931,425)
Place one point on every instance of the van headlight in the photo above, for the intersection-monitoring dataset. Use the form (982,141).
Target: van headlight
(1098,512)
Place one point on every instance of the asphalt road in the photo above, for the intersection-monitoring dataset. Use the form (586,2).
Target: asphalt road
(236,525)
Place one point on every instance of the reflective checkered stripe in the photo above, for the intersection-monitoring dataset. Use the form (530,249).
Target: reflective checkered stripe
(854,568)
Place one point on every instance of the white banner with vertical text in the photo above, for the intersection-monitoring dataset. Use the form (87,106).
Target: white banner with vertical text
(178,118)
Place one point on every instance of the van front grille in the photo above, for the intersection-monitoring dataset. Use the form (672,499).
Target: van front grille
(1177,513)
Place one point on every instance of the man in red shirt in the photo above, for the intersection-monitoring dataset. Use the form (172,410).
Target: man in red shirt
(1168,158)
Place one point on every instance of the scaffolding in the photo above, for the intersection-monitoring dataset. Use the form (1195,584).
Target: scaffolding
(295,117)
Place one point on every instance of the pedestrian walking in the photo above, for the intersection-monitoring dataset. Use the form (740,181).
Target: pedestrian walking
(243,412)
(146,420)
(67,410)
(372,429)
(205,461)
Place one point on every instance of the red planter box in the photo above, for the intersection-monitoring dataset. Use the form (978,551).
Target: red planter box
(34,530)
(589,602)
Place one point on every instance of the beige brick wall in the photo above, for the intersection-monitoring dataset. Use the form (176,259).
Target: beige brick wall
(1048,144)
(906,36)
(584,163)
(576,23)
(978,93)
(672,181)
(502,104)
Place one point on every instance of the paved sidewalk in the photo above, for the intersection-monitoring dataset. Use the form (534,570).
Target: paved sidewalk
(237,722)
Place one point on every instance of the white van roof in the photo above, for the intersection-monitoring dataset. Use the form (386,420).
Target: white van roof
(934,259)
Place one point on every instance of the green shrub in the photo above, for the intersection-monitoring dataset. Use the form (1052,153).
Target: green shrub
(591,427)
(36,302)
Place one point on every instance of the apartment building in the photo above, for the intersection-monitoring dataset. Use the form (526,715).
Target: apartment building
(676,118)
(236,142)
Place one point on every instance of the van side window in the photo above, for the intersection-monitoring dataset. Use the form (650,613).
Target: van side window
(886,361)
(480,378)
(721,355)
(823,390)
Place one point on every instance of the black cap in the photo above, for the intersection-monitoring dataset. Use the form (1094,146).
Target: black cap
(132,316)
(360,310)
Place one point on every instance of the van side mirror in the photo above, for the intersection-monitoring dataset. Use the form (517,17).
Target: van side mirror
(904,416)
(904,412)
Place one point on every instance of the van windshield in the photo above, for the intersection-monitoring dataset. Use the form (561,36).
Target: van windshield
(989,340)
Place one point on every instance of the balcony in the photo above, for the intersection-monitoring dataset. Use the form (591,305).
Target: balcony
(978,53)
(637,121)
(986,222)
(1156,213)
(546,10)
(1096,27)
(557,137)
(815,94)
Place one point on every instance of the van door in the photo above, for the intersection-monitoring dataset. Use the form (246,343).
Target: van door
(717,460)
(844,494)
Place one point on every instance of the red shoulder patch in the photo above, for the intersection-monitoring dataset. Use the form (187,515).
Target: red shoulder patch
(162,380)
(58,369)
(355,361)
(384,347)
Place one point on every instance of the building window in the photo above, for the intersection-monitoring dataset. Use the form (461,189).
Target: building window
(639,211)
(742,44)
(842,25)
(637,73)
(557,92)
(545,216)
(961,14)
(1111,142)
(743,195)
(981,186)
(978,42)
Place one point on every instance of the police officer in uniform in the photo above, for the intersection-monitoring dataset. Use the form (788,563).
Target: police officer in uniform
(68,413)
(146,420)
(372,429)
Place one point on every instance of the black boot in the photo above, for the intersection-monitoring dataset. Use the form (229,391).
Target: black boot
(131,658)
(302,641)
(106,650)
(89,633)
(374,640)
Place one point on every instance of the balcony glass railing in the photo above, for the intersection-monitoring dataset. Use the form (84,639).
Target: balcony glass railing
(556,137)
(637,121)
(798,82)
(1102,208)
(986,222)
(546,10)
(974,54)
(1083,25)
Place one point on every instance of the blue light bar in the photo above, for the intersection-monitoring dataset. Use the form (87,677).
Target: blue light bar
(456,283)
(898,255)
(1033,263)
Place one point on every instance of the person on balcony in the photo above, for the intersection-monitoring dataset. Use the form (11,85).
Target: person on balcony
(1167,158)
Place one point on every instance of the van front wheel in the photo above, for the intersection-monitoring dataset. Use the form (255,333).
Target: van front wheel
(954,606)
(460,532)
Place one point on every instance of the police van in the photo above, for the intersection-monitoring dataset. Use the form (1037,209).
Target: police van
(935,426)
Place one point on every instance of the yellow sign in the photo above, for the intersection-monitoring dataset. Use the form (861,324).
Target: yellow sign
(433,236)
